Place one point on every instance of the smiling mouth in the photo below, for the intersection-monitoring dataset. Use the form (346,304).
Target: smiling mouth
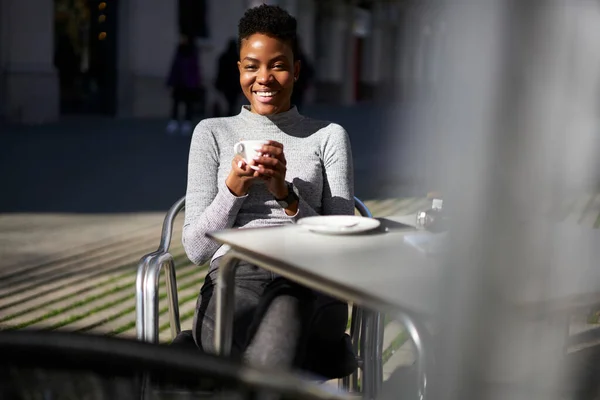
(266,94)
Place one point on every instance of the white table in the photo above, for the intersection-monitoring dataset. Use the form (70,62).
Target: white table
(377,270)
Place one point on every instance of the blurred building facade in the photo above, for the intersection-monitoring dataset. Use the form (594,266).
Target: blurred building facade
(112,57)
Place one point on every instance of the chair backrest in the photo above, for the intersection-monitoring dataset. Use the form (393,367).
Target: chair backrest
(167,229)
(52,363)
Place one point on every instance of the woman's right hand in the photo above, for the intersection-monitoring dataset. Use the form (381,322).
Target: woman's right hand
(241,177)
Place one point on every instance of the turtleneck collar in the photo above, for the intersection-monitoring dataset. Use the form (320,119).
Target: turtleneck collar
(286,118)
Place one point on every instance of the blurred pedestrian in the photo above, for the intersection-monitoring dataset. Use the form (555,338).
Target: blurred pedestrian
(304,80)
(184,82)
(228,77)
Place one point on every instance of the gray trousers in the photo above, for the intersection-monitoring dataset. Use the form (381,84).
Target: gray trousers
(275,321)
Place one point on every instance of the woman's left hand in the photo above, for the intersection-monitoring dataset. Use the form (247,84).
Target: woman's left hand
(272,168)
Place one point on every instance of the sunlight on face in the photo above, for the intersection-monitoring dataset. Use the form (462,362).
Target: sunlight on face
(267,72)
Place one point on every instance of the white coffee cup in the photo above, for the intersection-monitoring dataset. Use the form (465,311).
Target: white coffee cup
(248,149)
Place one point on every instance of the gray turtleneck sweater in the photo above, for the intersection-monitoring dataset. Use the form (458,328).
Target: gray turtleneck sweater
(319,163)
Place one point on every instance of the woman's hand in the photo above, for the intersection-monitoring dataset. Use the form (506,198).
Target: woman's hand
(272,168)
(241,176)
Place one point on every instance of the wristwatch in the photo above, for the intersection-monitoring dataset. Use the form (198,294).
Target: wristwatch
(291,197)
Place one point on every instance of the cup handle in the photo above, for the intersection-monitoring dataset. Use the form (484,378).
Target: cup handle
(238,148)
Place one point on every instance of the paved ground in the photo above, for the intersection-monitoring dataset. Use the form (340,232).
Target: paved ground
(78,272)
(83,200)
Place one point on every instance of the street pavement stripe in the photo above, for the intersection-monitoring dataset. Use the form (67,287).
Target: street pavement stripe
(97,314)
(150,238)
(187,292)
(133,247)
(77,252)
(392,330)
(55,284)
(401,357)
(123,322)
(70,292)
(89,270)
(116,313)
(97,294)
(378,207)
(403,206)
(126,325)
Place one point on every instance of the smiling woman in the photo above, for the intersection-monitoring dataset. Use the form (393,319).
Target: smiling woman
(268,64)
(267,73)
(301,168)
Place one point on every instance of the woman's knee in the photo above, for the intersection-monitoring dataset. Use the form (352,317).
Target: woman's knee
(330,318)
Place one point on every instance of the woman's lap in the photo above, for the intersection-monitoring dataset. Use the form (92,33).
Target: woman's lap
(325,317)
(249,286)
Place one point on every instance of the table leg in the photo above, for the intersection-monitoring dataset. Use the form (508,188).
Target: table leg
(368,352)
(378,330)
(350,383)
(355,332)
(225,299)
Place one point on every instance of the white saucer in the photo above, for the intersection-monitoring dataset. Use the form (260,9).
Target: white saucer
(338,224)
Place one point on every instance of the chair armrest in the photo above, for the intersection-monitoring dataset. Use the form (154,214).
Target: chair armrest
(362,208)
(148,275)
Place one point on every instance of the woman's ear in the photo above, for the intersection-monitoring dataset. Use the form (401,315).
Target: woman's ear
(297,65)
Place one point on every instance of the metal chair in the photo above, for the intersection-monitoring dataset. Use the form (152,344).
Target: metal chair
(366,330)
(69,365)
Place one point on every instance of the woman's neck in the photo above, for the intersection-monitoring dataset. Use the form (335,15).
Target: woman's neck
(291,116)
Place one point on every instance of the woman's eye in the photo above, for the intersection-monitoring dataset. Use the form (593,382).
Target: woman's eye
(250,67)
(279,66)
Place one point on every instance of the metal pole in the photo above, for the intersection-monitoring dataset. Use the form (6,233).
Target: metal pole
(171,281)
(368,356)
(378,329)
(151,297)
(225,304)
(151,301)
(139,297)
(417,334)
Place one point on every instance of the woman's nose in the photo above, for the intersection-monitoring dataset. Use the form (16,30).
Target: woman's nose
(264,75)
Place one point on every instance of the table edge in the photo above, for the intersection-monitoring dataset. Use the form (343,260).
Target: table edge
(316,282)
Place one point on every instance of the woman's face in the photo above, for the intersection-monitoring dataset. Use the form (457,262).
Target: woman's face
(267,73)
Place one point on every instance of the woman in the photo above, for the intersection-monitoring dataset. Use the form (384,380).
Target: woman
(305,169)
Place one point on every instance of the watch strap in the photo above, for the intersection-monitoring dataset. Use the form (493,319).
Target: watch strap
(290,198)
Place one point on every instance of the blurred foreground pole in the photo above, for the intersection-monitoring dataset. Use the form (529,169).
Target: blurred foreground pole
(516,114)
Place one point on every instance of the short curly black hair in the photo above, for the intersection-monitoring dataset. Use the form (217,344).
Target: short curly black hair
(269,20)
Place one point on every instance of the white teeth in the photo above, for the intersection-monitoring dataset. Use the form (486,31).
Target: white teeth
(266,94)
